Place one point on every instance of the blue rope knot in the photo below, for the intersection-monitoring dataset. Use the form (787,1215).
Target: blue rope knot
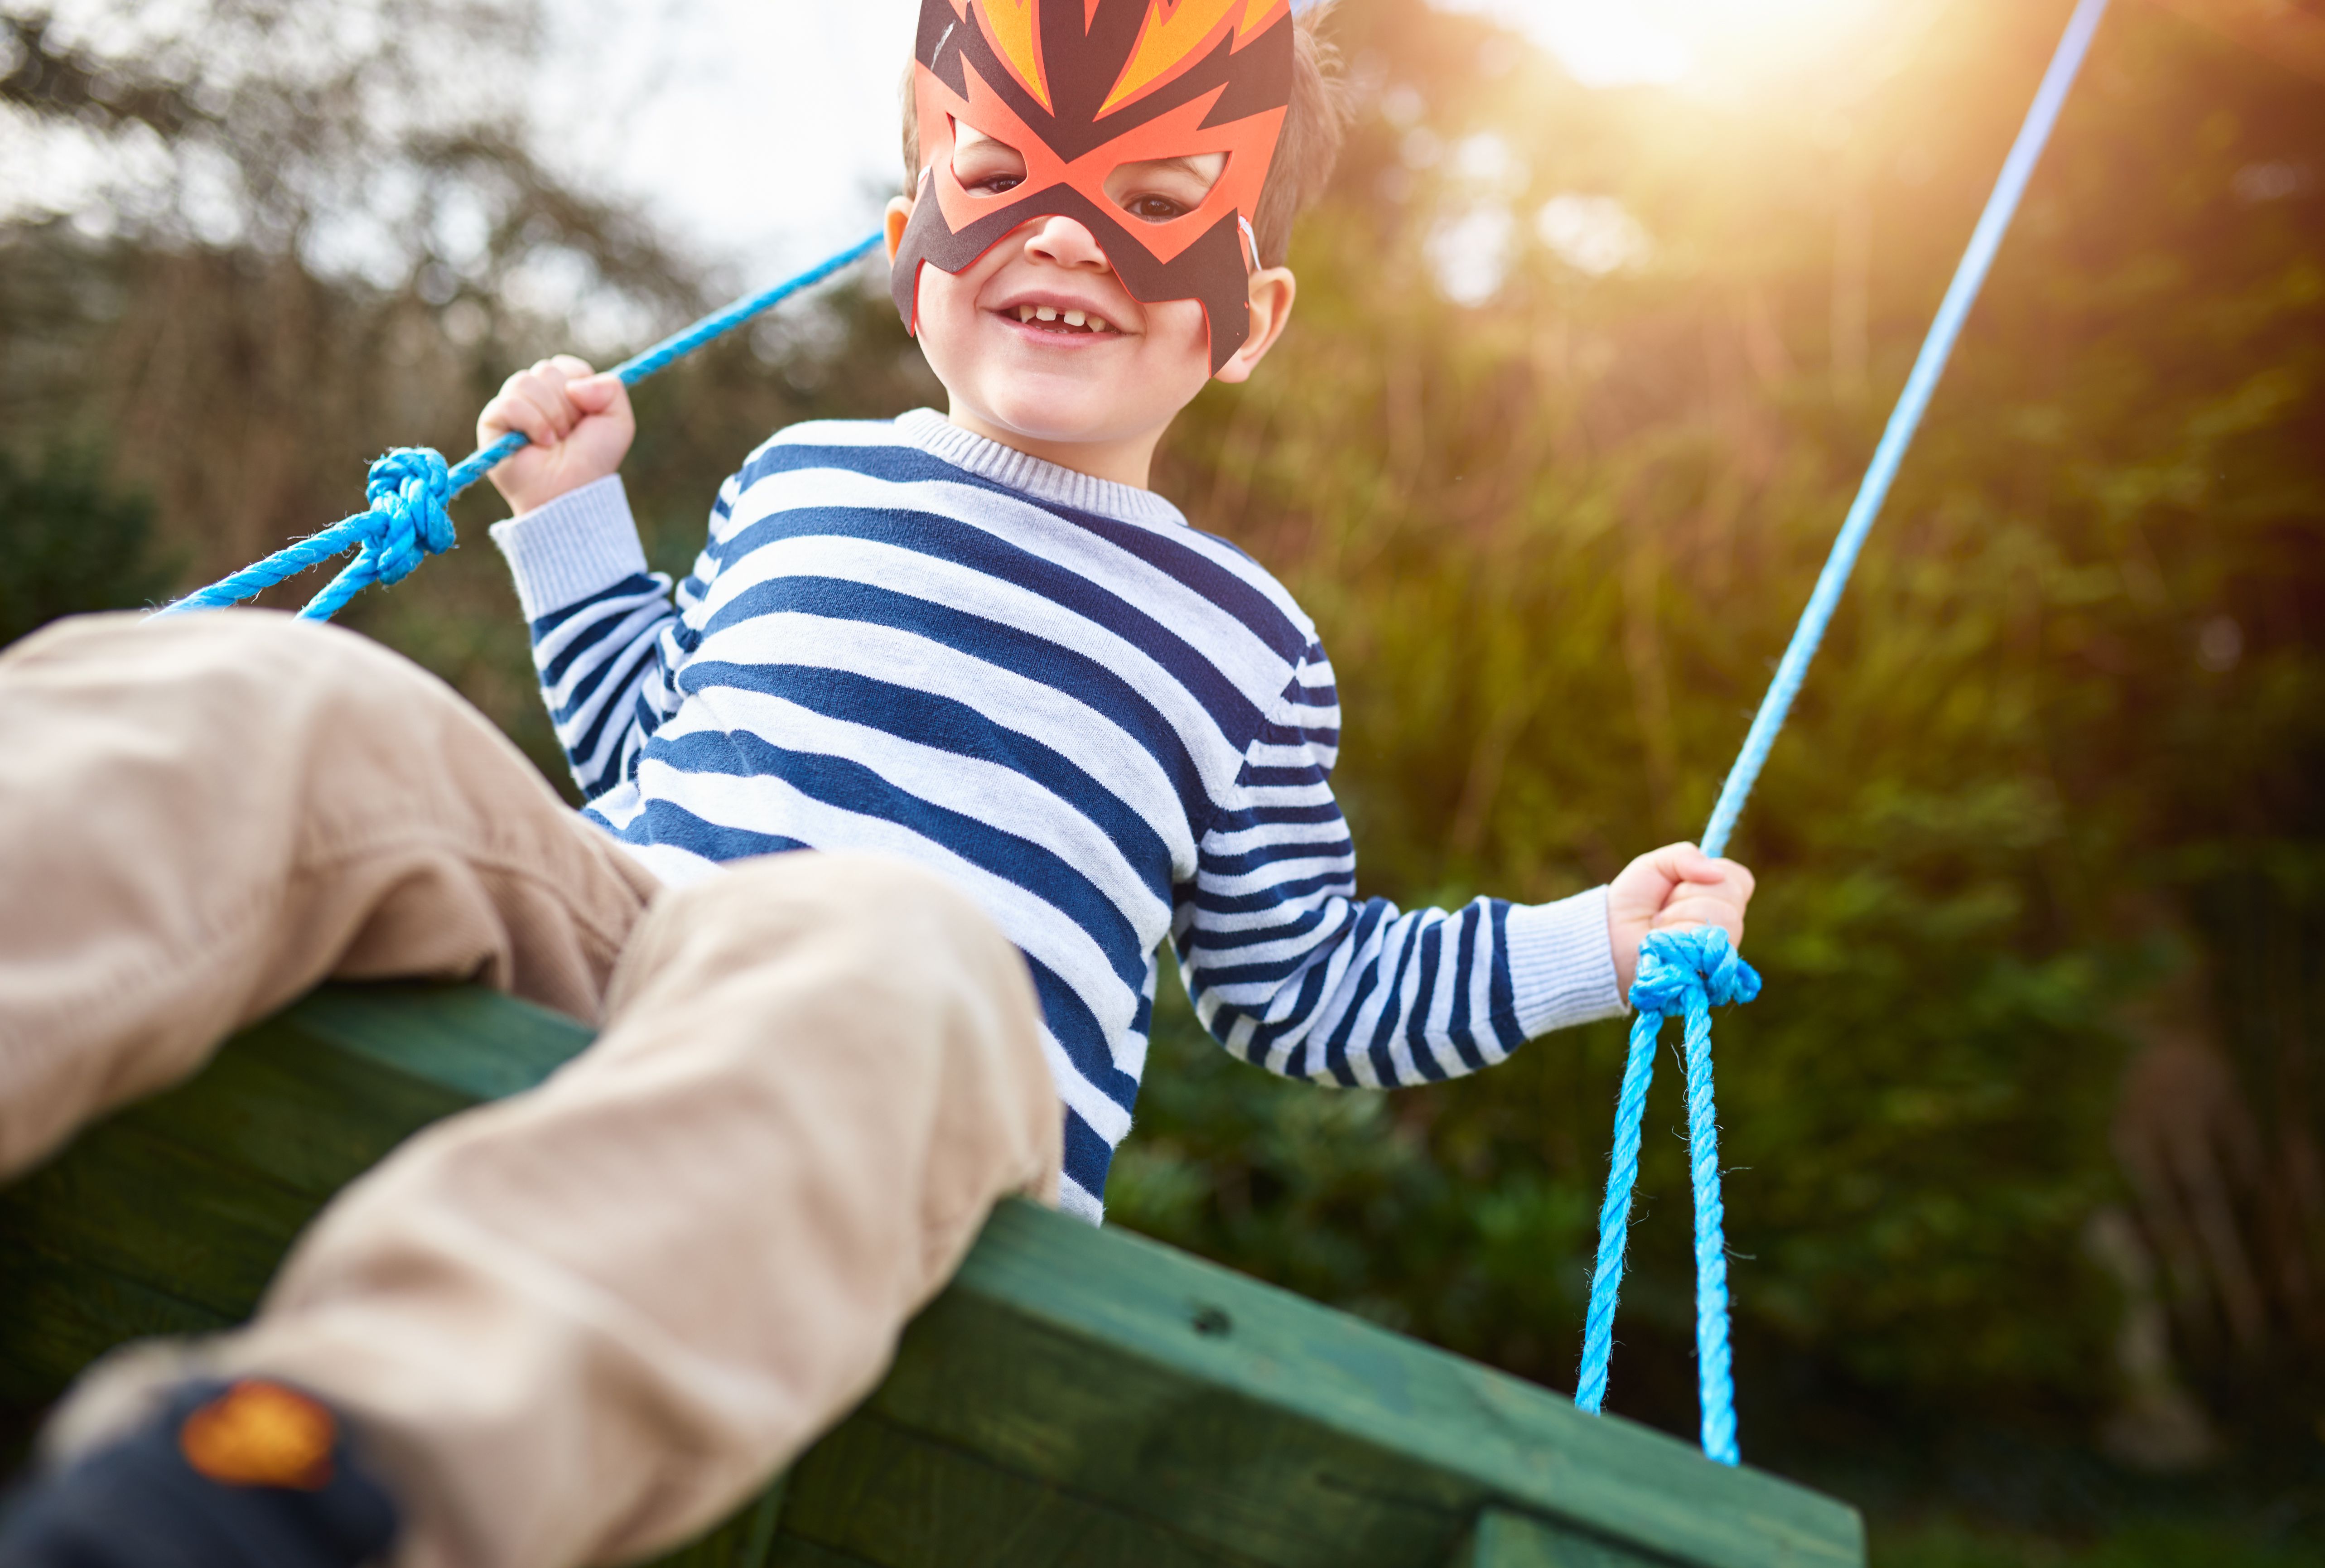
(1676,966)
(410,489)
(407,523)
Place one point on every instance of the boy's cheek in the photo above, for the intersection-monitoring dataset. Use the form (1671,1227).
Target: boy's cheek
(948,302)
(1184,325)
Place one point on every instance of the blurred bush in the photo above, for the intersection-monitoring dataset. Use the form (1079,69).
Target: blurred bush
(68,546)
(2027,1194)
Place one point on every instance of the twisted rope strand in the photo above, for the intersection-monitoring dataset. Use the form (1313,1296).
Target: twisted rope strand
(1716,976)
(1615,1216)
(411,488)
(1714,1369)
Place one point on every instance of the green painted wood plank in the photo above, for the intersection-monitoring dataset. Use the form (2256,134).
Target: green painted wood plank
(57,1314)
(891,1496)
(1166,1382)
(156,1213)
(476,1043)
(1502,1539)
(292,1105)
(1088,1418)
(791,1552)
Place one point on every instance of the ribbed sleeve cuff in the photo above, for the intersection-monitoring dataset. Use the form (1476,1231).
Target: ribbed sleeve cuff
(582,543)
(1562,963)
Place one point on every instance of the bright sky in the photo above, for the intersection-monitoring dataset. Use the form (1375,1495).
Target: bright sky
(765,130)
(699,106)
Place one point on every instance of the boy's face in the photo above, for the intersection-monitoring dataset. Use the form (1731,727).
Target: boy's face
(1040,339)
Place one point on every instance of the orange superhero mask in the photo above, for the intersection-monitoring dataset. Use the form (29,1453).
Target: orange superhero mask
(1080,87)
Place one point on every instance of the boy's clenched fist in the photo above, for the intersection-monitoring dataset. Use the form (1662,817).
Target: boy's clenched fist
(579,424)
(1678,884)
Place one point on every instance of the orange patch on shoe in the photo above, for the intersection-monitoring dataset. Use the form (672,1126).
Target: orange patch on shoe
(261,1434)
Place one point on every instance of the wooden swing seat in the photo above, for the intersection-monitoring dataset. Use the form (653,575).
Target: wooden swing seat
(1077,1398)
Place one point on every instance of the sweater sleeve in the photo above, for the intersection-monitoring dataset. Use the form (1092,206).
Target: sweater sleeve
(1291,971)
(609,640)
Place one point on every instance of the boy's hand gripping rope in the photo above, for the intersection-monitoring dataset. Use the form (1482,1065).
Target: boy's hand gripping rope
(1688,973)
(411,486)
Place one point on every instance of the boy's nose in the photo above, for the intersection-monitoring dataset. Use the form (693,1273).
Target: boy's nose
(1064,242)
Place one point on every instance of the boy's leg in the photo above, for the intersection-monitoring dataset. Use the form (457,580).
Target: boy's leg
(582,1324)
(200,818)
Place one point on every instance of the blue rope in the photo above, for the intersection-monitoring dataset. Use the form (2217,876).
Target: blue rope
(1682,974)
(1687,973)
(411,486)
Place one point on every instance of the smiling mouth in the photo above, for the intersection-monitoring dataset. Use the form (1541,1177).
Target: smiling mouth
(1061,323)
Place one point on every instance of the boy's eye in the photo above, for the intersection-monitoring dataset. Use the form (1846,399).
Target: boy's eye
(1155,208)
(984,166)
(1160,189)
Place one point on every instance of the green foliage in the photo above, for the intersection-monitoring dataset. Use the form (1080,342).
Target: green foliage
(68,544)
(1948,1546)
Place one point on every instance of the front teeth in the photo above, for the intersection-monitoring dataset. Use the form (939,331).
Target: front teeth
(1071,318)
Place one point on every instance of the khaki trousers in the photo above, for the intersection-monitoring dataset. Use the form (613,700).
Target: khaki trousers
(581,1325)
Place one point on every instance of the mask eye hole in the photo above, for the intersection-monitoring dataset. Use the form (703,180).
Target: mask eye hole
(982,165)
(1160,190)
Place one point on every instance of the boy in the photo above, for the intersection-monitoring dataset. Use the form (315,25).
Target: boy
(1032,722)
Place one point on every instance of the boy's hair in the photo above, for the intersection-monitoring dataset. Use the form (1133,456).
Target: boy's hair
(1305,153)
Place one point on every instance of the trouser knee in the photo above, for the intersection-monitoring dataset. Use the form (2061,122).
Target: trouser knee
(225,690)
(864,947)
(867,920)
(294,661)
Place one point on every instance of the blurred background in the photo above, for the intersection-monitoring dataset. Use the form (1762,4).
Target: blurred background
(1598,330)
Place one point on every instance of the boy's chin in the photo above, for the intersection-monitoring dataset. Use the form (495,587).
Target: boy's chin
(1077,415)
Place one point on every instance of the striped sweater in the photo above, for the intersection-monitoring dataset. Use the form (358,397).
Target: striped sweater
(1110,729)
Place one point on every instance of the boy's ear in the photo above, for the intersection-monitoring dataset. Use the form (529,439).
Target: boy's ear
(899,213)
(1272,291)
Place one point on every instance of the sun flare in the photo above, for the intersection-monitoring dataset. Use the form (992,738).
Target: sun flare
(1699,42)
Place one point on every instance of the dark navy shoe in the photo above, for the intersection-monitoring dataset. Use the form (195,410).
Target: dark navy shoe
(253,1474)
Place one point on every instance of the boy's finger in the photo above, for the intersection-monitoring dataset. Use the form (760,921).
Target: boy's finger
(1703,869)
(1733,927)
(1708,899)
(509,412)
(555,407)
(1698,910)
(573,368)
(597,393)
(1684,862)
(1670,862)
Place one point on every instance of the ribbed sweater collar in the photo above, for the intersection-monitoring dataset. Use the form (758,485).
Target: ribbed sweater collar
(1030,475)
